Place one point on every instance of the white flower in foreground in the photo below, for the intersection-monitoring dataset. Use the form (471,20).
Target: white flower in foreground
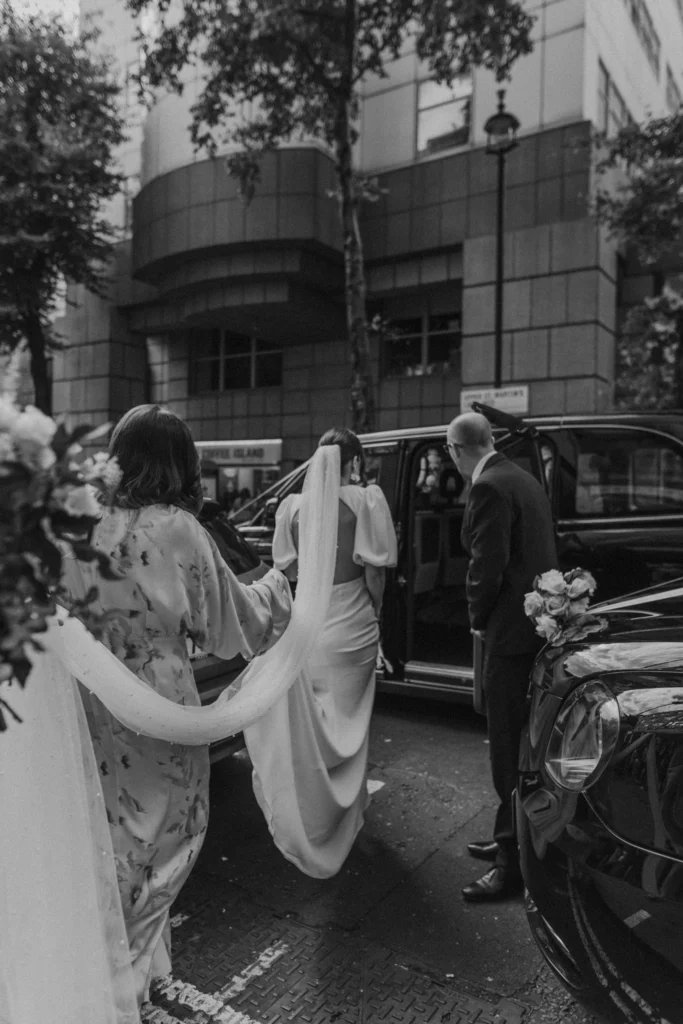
(6,448)
(552,582)
(9,413)
(101,467)
(32,433)
(78,501)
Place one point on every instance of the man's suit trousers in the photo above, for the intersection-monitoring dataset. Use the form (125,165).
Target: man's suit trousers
(506,681)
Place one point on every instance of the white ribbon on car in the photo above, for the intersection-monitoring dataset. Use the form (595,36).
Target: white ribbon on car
(631,602)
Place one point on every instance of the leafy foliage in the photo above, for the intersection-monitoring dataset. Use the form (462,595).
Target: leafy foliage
(59,129)
(646,212)
(298,66)
(277,71)
(647,209)
(650,370)
(48,507)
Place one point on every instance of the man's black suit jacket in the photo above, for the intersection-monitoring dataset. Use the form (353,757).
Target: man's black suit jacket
(509,535)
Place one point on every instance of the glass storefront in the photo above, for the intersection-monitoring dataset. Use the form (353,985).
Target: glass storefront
(235,472)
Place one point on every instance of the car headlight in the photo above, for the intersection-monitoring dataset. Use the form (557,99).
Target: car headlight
(584,736)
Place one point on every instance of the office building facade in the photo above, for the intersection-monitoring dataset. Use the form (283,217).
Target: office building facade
(233,316)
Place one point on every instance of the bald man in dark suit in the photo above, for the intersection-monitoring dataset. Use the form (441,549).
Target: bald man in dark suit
(509,534)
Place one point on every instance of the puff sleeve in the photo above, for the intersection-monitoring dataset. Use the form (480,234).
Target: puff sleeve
(375,540)
(284,546)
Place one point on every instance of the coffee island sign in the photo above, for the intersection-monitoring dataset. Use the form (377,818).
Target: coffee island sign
(241,453)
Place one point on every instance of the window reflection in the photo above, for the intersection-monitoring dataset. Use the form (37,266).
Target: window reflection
(444,114)
(222,360)
(626,472)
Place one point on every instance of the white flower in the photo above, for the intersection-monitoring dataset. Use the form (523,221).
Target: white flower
(101,467)
(582,585)
(78,501)
(533,604)
(547,627)
(579,606)
(32,433)
(557,604)
(6,448)
(552,582)
(9,413)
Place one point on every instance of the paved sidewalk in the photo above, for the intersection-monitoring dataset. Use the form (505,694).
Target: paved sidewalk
(239,964)
(388,940)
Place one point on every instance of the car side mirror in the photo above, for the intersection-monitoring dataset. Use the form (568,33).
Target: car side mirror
(270,508)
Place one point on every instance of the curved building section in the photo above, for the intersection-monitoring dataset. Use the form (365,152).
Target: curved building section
(271,266)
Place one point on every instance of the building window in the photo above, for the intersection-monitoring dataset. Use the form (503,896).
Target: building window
(673,93)
(223,360)
(645,29)
(444,114)
(618,114)
(424,340)
(626,472)
(603,98)
(613,114)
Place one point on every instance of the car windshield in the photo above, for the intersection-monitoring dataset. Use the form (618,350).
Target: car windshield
(251,511)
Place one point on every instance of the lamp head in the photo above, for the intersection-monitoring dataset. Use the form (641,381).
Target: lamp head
(501,128)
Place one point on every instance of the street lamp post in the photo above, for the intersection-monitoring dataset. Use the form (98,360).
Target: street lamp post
(501,137)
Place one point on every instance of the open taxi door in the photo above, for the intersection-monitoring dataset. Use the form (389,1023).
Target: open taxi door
(520,443)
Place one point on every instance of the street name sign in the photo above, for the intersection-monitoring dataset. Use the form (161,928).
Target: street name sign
(514,400)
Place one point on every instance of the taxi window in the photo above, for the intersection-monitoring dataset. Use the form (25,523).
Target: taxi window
(381,468)
(437,482)
(627,472)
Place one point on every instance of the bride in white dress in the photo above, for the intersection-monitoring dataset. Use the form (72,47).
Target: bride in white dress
(310,751)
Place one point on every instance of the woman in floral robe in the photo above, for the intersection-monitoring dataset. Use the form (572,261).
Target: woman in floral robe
(173,586)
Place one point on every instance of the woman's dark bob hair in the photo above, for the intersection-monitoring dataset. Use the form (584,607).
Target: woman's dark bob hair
(158,460)
(349,445)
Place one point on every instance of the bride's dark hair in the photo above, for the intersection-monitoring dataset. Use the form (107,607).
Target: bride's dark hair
(158,460)
(349,446)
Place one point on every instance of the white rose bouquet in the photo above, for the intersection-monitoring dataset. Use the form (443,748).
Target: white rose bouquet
(559,603)
(49,504)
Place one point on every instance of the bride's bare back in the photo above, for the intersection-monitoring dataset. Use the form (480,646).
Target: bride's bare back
(345,568)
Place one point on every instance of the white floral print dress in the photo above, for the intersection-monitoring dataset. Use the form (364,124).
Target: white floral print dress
(174,585)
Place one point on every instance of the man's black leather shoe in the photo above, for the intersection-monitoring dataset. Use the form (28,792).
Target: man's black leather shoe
(496,884)
(486,850)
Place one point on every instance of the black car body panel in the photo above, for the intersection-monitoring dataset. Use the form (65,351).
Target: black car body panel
(604,866)
(616,486)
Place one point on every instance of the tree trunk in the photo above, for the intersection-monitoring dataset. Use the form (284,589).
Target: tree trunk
(37,347)
(362,388)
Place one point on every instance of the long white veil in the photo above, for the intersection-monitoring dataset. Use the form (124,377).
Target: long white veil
(63,951)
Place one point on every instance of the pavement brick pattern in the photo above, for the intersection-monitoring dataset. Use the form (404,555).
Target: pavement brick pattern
(237,964)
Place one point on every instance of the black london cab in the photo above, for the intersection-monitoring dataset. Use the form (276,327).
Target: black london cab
(616,487)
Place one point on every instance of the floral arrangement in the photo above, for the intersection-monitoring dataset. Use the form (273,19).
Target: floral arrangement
(49,504)
(559,603)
